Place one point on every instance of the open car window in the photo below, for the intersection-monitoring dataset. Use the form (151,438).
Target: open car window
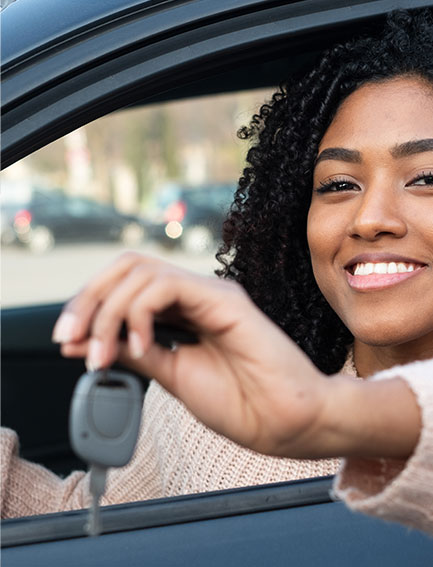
(158,179)
(96,163)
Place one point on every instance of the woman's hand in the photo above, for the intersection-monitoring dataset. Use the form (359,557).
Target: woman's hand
(245,379)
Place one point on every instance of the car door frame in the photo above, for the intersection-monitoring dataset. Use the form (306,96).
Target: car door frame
(57,86)
(72,79)
(265,525)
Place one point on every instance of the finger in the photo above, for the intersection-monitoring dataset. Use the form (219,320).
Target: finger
(74,321)
(160,295)
(210,305)
(75,350)
(167,289)
(109,316)
(158,363)
(206,302)
(147,362)
(162,291)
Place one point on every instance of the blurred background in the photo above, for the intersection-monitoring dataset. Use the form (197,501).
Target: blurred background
(157,179)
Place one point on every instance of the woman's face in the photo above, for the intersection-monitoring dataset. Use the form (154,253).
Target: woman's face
(370,223)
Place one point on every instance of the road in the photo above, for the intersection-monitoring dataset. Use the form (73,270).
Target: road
(28,279)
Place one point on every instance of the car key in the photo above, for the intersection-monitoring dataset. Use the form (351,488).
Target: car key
(104,423)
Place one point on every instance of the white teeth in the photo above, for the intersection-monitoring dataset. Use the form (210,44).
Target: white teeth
(368,268)
(380,268)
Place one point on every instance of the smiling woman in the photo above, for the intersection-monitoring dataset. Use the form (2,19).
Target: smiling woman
(370,219)
(336,190)
(334,158)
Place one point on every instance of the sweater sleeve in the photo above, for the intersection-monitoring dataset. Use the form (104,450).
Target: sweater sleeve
(28,488)
(397,490)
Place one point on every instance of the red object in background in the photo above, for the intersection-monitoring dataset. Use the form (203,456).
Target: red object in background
(175,212)
(22,218)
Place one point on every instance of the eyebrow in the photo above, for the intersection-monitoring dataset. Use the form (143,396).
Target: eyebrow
(398,151)
(411,148)
(340,154)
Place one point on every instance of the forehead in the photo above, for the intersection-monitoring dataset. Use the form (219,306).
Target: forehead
(379,114)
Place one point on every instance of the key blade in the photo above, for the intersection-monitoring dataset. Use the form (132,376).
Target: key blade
(97,488)
(94,526)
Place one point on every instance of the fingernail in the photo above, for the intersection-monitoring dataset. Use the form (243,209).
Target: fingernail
(94,359)
(135,345)
(65,328)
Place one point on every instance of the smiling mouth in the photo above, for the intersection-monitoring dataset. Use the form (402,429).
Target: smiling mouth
(367,268)
(377,275)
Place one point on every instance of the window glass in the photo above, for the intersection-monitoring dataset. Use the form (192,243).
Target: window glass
(156,179)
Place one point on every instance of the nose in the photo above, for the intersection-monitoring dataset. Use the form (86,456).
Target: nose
(377,213)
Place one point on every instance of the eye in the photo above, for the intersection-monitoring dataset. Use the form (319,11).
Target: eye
(336,186)
(423,180)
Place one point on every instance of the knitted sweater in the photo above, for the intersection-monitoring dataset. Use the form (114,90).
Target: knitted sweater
(176,454)
(393,489)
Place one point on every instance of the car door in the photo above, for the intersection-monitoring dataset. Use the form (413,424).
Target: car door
(277,525)
(60,73)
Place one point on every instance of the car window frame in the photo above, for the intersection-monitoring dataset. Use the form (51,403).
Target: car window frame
(45,96)
(36,114)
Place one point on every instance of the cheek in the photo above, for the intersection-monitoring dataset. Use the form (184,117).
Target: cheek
(324,239)
(319,237)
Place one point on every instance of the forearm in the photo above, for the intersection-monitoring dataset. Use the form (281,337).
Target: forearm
(370,419)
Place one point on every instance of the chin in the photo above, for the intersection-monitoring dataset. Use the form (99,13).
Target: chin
(387,335)
(380,330)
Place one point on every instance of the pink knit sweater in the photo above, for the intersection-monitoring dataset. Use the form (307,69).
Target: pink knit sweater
(176,454)
(391,489)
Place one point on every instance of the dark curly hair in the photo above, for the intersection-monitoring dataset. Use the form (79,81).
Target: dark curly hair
(264,237)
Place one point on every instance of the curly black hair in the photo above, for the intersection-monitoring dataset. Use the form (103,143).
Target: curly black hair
(264,237)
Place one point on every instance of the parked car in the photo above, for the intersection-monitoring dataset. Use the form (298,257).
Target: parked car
(8,235)
(192,217)
(49,217)
(68,63)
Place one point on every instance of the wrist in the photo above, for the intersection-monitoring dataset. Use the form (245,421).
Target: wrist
(313,438)
(369,419)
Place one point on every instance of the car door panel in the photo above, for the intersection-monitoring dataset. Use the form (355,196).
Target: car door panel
(288,523)
(64,74)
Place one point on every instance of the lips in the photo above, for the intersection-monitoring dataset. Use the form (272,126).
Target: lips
(372,272)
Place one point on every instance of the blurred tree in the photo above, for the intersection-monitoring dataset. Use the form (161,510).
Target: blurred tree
(159,143)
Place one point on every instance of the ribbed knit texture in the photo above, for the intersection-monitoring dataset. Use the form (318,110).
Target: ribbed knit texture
(176,454)
(392,489)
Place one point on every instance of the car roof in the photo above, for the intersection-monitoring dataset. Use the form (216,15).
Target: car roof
(65,64)
(29,26)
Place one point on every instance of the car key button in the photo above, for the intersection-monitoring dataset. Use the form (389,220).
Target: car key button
(110,411)
(102,403)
